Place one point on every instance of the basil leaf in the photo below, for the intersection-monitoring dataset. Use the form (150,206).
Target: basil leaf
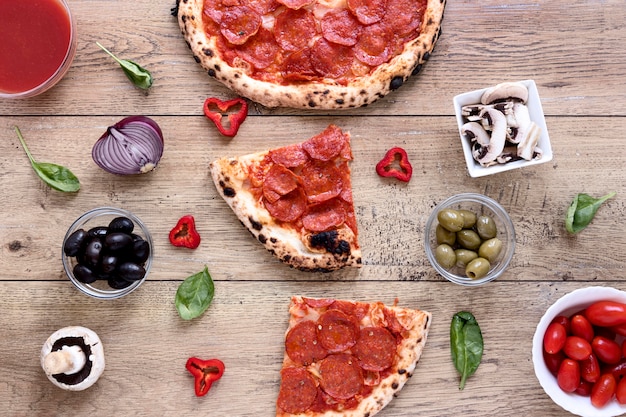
(194,295)
(56,176)
(138,75)
(582,210)
(466,344)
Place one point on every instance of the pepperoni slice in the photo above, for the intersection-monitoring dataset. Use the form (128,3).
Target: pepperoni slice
(376,348)
(318,302)
(340,26)
(288,208)
(375,45)
(368,11)
(331,60)
(321,181)
(294,29)
(301,344)
(297,392)
(298,67)
(264,7)
(214,9)
(404,16)
(337,331)
(296,4)
(356,310)
(324,216)
(340,376)
(291,156)
(279,181)
(239,24)
(328,144)
(260,50)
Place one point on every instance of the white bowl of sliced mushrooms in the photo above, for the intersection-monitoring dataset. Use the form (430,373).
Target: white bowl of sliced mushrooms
(502,128)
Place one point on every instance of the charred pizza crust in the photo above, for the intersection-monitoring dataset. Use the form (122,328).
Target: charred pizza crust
(318,252)
(415,324)
(327,94)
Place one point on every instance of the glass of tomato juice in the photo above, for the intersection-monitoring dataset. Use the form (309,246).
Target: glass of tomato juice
(37,47)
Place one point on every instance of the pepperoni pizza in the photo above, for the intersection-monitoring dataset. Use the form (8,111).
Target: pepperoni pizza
(346,358)
(296,200)
(327,54)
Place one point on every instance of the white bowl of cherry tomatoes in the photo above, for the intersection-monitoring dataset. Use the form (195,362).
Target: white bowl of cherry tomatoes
(579,352)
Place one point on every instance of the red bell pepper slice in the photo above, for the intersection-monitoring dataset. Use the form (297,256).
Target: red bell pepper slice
(215,109)
(386,168)
(184,234)
(205,372)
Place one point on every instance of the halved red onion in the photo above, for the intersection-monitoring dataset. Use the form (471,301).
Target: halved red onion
(133,145)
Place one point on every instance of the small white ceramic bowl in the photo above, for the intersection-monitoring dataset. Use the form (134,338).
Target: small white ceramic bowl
(568,305)
(479,204)
(536,115)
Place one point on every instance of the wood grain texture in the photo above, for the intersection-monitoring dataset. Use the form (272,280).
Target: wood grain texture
(573,50)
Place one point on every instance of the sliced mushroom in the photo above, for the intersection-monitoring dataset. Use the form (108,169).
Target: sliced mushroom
(475,132)
(526,148)
(497,121)
(73,358)
(522,117)
(505,91)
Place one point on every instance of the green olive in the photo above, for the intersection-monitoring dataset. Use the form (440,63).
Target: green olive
(469,218)
(464,256)
(468,239)
(490,249)
(486,227)
(450,219)
(444,236)
(477,268)
(445,256)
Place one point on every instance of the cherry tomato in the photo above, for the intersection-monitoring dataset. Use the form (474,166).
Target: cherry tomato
(553,360)
(554,338)
(607,350)
(606,313)
(620,391)
(568,376)
(618,370)
(581,327)
(564,320)
(590,369)
(603,390)
(624,348)
(577,348)
(584,388)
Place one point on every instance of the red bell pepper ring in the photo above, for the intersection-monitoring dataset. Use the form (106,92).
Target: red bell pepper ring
(205,373)
(386,168)
(184,234)
(215,109)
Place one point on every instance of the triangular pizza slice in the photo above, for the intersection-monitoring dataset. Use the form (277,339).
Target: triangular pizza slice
(296,200)
(347,358)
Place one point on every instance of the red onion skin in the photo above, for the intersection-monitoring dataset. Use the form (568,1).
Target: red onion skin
(134,145)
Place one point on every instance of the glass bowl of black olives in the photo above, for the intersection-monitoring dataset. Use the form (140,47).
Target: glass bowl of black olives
(469,239)
(107,252)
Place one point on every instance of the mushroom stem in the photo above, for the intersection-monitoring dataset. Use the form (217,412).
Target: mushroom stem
(68,360)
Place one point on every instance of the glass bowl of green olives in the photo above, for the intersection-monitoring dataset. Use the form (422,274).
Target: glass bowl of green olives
(469,239)
(107,253)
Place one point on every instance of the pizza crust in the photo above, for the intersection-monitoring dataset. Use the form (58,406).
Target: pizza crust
(230,175)
(314,95)
(417,324)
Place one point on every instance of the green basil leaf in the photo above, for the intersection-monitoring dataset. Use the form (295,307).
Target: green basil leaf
(194,295)
(138,75)
(466,344)
(56,176)
(582,210)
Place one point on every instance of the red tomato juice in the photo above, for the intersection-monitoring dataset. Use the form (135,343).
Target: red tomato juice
(35,37)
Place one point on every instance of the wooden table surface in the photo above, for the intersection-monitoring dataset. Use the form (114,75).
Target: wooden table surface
(573,49)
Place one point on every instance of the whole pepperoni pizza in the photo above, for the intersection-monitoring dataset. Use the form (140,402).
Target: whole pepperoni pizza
(346,358)
(328,54)
(296,200)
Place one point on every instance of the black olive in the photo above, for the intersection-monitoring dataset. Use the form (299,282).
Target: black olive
(121,224)
(98,231)
(141,251)
(117,241)
(74,242)
(84,274)
(118,283)
(92,251)
(131,271)
(108,263)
